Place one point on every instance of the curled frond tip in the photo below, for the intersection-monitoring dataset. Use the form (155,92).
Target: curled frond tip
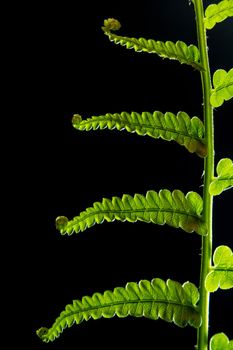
(61,222)
(111,24)
(42,332)
(76,119)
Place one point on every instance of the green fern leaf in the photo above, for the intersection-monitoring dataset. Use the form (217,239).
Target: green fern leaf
(174,209)
(223,87)
(169,301)
(216,13)
(221,342)
(224,180)
(180,128)
(177,51)
(222,274)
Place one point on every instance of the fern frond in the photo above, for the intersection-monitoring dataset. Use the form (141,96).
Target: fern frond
(223,87)
(220,341)
(222,274)
(188,132)
(224,180)
(169,301)
(176,51)
(216,13)
(174,209)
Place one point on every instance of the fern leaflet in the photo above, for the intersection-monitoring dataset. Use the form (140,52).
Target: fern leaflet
(169,301)
(224,180)
(176,51)
(216,13)
(188,132)
(221,342)
(174,209)
(222,274)
(223,87)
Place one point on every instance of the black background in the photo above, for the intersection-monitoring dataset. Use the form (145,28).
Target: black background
(71,67)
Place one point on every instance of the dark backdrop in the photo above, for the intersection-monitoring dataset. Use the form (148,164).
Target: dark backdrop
(73,68)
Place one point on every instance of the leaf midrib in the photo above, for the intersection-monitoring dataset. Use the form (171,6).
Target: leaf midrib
(222,86)
(84,217)
(222,178)
(135,41)
(136,301)
(222,269)
(217,13)
(142,125)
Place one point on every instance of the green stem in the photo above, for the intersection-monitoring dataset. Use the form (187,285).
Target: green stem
(202,341)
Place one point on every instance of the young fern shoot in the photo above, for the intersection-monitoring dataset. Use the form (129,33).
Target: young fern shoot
(183,304)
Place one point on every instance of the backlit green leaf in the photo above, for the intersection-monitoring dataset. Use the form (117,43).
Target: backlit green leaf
(174,209)
(216,13)
(188,132)
(224,180)
(223,87)
(169,301)
(221,342)
(177,51)
(221,275)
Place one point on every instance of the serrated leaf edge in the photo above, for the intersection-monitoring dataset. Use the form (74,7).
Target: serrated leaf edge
(174,206)
(122,301)
(186,131)
(149,45)
(209,21)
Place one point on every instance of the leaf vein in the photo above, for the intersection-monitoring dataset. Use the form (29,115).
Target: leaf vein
(148,210)
(146,126)
(136,301)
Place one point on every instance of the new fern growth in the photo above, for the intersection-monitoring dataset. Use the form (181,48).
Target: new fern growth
(169,300)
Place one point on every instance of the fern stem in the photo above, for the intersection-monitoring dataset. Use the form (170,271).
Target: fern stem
(202,339)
